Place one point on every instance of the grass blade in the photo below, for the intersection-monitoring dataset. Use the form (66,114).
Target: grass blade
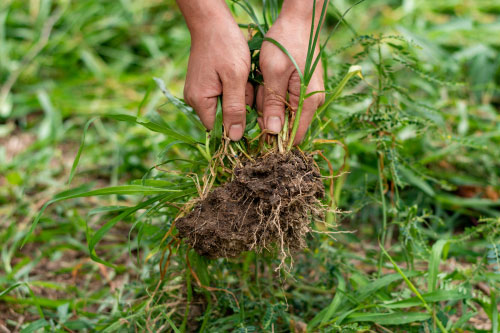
(80,149)
(78,193)
(494,311)
(153,126)
(316,61)
(380,283)
(311,33)
(99,234)
(35,326)
(337,300)
(413,289)
(433,297)
(398,318)
(249,10)
(434,260)
(405,278)
(308,71)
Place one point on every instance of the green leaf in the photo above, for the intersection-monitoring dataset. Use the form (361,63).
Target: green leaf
(80,149)
(494,311)
(397,318)
(466,202)
(35,326)
(252,116)
(94,239)
(179,104)
(77,193)
(337,299)
(255,43)
(353,71)
(171,323)
(12,287)
(153,126)
(434,261)
(216,132)
(433,297)
(413,179)
(106,209)
(382,282)
(248,8)
(405,278)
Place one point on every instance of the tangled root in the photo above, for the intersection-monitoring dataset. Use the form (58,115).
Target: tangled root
(269,204)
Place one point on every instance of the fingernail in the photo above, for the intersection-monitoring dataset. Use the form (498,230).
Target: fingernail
(274,124)
(235,132)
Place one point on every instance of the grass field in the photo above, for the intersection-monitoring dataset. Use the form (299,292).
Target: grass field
(416,156)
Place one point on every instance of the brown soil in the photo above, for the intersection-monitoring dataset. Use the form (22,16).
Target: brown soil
(269,204)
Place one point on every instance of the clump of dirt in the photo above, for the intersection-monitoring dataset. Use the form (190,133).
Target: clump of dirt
(269,203)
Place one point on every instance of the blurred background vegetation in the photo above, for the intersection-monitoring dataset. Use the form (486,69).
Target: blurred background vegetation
(422,132)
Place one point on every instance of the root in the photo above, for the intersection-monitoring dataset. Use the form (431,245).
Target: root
(268,206)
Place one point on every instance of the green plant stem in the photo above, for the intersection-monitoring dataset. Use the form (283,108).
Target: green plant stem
(384,211)
(296,121)
(208,311)
(189,298)
(204,153)
(414,290)
(353,71)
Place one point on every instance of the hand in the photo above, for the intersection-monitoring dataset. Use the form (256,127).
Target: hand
(291,30)
(219,64)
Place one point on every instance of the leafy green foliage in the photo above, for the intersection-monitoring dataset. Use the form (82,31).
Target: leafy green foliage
(418,194)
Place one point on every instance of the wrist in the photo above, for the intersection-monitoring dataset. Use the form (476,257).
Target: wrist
(301,11)
(203,16)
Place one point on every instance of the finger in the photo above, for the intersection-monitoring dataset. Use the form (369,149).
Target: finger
(273,106)
(259,102)
(200,92)
(205,108)
(249,94)
(233,108)
(294,90)
(260,121)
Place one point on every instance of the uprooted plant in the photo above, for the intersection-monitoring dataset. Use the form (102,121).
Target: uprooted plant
(274,190)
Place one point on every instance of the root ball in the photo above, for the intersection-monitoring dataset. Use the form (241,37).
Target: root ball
(269,204)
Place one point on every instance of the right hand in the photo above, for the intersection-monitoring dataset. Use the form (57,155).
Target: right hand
(281,79)
(219,64)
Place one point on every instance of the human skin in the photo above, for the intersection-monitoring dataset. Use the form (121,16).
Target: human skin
(219,64)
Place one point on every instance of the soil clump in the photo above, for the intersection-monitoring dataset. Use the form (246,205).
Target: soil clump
(269,204)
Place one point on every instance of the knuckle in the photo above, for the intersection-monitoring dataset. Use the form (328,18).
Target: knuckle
(192,95)
(318,98)
(236,72)
(273,65)
(205,103)
(294,88)
(273,101)
(295,78)
(321,99)
(294,93)
(277,68)
(235,110)
(195,100)
(188,95)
